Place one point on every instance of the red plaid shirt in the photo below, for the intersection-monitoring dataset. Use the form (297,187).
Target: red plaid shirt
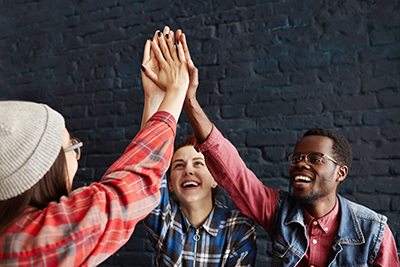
(93,222)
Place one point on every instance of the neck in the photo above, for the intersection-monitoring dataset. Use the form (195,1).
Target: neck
(321,207)
(197,213)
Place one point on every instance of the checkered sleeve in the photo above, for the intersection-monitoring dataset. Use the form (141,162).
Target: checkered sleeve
(157,221)
(244,251)
(93,222)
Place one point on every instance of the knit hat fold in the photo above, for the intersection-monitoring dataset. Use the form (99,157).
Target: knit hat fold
(31,138)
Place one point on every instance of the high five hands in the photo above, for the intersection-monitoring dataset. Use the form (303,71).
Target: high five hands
(172,71)
(165,66)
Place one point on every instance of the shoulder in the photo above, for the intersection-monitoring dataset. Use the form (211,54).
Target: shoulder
(232,217)
(363,212)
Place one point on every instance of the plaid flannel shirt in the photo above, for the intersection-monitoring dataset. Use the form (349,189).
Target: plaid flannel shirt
(226,238)
(91,223)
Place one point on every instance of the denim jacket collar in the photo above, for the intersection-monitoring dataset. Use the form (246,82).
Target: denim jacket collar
(349,231)
(295,215)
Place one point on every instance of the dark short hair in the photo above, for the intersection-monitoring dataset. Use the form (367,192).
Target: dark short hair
(341,147)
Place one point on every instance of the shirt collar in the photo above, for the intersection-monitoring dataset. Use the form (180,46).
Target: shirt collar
(327,222)
(210,225)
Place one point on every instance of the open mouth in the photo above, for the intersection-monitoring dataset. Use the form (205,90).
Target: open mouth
(302,179)
(190,184)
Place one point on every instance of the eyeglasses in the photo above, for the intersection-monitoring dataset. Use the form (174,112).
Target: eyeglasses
(312,158)
(76,145)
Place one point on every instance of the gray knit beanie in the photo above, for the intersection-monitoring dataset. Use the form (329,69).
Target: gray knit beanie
(31,138)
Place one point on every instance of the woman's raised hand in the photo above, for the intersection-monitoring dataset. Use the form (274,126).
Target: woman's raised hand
(172,72)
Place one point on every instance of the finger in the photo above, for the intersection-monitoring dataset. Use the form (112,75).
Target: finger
(173,36)
(171,45)
(181,53)
(153,39)
(163,46)
(178,34)
(177,37)
(185,47)
(157,52)
(166,30)
(193,74)
(169,35)
(146,53)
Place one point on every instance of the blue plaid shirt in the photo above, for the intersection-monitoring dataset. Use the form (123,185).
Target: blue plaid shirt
(226,238)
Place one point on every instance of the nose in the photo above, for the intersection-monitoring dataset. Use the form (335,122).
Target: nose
(188,171)
(303,162)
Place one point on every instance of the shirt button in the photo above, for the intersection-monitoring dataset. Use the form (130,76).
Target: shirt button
(326,228)
(315,241)
(315,222)
(311,265)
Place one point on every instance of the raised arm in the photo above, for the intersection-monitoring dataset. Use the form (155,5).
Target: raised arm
(153,95)
(247,192)
(201,125)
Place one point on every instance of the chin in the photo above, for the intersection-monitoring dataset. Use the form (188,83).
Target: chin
(304,199)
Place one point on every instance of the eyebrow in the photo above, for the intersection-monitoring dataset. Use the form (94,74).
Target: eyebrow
(197,158)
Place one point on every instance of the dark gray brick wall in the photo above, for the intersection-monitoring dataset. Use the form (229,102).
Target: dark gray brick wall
(269,70)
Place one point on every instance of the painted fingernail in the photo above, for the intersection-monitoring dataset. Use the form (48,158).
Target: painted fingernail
(167,35)
(178,42)
(152,39)
(159,34)
(143,68)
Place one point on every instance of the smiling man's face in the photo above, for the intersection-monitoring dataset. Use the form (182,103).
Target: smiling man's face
(313,183)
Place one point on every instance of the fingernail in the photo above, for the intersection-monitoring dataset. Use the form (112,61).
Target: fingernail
(167,35)
(159,34)
(178,42)
(143,68)
(152,39)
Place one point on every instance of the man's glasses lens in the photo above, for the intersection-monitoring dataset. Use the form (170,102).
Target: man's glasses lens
(311,158)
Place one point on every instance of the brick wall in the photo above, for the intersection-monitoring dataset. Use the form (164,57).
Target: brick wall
(269,70)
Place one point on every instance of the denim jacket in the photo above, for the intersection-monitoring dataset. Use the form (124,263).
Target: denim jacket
(357,241)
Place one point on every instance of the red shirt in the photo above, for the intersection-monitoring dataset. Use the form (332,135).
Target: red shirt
(93,222)
(321,234)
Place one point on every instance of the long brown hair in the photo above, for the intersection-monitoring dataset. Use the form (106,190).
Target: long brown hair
(51,187)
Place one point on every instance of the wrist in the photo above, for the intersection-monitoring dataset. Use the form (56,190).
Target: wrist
(190,101)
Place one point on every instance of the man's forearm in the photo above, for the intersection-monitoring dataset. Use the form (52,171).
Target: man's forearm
(201,125)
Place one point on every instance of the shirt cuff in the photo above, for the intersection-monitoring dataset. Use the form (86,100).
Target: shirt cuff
(212,142)
(165,117)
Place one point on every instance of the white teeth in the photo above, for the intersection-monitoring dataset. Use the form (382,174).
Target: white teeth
(302,179)
(191,183)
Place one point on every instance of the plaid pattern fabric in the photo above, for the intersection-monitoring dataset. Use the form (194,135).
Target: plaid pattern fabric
(93,222)
(227,237)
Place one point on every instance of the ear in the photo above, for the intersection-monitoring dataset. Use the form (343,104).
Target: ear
(342,173)
(214,184)
(170,185)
